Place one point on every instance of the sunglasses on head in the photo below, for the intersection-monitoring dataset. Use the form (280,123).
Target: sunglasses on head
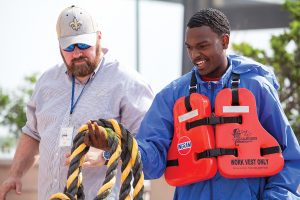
(80,46)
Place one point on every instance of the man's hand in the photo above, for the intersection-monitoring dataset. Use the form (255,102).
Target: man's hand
(11,183)
(96,137)
(93,158)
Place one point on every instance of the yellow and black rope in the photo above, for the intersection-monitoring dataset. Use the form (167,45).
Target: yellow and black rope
(122,146)
(131,162)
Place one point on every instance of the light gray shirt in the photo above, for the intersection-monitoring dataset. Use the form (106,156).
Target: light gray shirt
(111,92)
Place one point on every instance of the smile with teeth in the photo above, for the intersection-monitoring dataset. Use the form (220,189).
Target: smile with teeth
(200,63)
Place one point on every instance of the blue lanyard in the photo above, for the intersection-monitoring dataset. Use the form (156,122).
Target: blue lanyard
(73,91)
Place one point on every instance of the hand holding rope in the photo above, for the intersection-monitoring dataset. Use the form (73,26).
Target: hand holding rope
(112,136)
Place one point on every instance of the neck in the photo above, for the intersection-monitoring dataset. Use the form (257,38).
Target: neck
(82,79)
(222,69)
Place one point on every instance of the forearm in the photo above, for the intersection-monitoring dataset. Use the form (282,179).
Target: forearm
(286,184)
(24,158)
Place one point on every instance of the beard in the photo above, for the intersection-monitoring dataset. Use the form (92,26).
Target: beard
(86,67)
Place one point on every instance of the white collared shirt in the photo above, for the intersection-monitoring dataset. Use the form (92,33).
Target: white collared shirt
(112,92)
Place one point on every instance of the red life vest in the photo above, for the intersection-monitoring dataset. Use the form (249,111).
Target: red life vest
(184,167)
(258,152)
(239,147)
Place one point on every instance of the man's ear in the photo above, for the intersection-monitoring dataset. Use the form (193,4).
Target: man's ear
(225,40)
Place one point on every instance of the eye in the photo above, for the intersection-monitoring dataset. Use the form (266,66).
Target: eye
(188,47)
(70,48)
(202,46)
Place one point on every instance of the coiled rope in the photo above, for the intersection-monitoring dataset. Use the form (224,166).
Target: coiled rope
(122,146)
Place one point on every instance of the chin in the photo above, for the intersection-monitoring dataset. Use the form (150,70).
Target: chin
(202,71)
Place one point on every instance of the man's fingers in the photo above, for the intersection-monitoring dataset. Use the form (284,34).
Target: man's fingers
(18,188)
(97,134)
(67,155)
(87,139)
(90,127)
(10,184)
(4,190)
(91,134)
(67,162)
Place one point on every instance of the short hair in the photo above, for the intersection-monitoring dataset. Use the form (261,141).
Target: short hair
(211,17)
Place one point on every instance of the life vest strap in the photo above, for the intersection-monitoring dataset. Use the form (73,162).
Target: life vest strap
(216,152)
(207,154)
(213,121)
(193,84)
(187,103)
(235,81)
(270,150)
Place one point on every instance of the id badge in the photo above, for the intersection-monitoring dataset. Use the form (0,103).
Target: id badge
(66,136)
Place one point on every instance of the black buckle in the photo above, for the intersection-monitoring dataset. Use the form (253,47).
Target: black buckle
(193,87)
(235,83)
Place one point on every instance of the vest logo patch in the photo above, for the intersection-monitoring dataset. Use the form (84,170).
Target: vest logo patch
(184,145)
(242,136)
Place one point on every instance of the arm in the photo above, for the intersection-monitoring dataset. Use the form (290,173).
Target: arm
(155,135)
(135,103)
(133,107)
(23,160)
(284,184)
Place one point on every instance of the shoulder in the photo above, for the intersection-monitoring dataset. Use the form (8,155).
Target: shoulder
(257,84)
(49,78)
(180,83)
(54,72)
(122,76)
(253,72)
(183,81)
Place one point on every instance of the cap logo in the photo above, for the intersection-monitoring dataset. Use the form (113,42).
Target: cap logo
(75,24)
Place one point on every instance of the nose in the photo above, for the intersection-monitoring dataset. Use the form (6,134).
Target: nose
(77,52)
(194,54)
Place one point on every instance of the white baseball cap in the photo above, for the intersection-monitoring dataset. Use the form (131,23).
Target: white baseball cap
(75,25)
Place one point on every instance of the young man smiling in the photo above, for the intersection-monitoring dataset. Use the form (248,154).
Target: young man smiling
(164,135)
(90,84)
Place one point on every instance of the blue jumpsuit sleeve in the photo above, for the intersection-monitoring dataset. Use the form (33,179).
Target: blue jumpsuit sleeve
(155,135)
(285,184)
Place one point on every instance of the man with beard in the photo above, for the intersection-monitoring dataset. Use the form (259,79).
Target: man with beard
(90,84)
(207,39)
